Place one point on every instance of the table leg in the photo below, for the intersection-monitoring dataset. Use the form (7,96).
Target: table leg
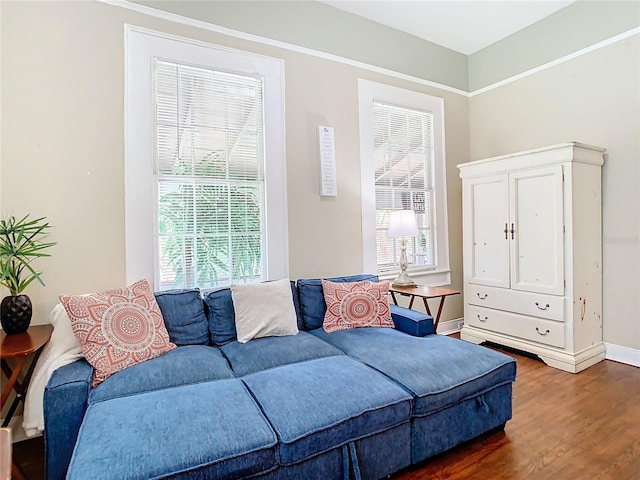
(12,378)
(426,305)
(393,295)
(439,310)
(15,385)
(27,378)
(6,369)
(413,297)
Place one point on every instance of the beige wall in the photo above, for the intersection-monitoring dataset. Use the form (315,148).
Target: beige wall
(62,149)
(593,99)
(63,145)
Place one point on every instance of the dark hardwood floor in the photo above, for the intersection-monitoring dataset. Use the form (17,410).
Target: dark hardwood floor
(564,426)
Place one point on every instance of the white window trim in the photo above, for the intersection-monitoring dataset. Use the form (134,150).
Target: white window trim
(368,92)
(141,243)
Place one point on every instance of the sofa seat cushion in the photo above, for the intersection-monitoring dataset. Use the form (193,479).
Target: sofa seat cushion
(322,404)
(263,353)
(208,430)
(438,371)
(183,366)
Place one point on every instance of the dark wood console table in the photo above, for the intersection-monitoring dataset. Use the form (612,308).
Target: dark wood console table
(19,347)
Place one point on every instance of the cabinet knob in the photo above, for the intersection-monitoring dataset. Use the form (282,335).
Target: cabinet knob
(482,297)
(542,308)
(482,319)
(547,332)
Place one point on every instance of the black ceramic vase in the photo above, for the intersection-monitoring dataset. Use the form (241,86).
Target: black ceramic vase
(15,314)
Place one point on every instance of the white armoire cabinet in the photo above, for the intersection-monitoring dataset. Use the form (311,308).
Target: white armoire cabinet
(532,242)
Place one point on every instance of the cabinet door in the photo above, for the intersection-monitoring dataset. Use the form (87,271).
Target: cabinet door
(537,246)
(486,213)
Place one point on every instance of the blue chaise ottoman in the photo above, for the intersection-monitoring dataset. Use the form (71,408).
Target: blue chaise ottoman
(460,389)
(205,430)
(338,407)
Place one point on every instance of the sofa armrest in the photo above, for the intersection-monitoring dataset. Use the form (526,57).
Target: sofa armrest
(65,402)
(412,322)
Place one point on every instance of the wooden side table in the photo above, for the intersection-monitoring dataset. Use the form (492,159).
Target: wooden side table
(425,293)
(19,347)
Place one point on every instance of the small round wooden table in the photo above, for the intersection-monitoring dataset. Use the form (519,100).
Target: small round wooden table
(19,347)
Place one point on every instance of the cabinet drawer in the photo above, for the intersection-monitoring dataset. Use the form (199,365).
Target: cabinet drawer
(534,304)
(529,328)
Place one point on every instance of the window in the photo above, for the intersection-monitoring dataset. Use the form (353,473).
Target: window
(403,167)
(205,195)
(403,154)
(210,176)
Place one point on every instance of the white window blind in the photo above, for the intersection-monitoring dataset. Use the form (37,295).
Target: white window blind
(403,149)
(210,164)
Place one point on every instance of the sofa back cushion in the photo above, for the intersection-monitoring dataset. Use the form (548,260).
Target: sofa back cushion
(184,316)
(312,304)
(221,314)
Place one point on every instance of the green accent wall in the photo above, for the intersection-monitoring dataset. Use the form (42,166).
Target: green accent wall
(320,27)
(577,26)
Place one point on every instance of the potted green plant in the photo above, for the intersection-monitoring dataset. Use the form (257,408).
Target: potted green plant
(20,244)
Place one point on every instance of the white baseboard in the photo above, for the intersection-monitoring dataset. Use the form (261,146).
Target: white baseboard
(621,354)
(450,326)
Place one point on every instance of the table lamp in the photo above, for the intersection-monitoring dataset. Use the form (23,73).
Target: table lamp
(402,224)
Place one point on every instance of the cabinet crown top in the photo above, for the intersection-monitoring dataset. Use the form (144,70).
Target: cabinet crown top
(553,154)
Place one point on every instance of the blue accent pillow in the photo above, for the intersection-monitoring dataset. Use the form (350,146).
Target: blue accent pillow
(184,316)
(222,317)
(312,304)
(412,322)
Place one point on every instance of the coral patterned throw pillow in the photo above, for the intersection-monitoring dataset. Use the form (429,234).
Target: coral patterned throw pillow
(356,304)
(117,328)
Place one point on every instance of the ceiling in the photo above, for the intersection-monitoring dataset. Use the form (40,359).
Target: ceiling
(462,25)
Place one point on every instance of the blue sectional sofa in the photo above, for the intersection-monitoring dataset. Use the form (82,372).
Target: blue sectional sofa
(360,403)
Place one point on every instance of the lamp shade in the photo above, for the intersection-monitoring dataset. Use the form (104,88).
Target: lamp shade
(402,223)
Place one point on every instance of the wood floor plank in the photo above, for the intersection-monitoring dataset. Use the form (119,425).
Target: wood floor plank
(564,427)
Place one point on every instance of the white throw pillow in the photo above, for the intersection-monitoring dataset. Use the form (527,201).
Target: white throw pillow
(264,310)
